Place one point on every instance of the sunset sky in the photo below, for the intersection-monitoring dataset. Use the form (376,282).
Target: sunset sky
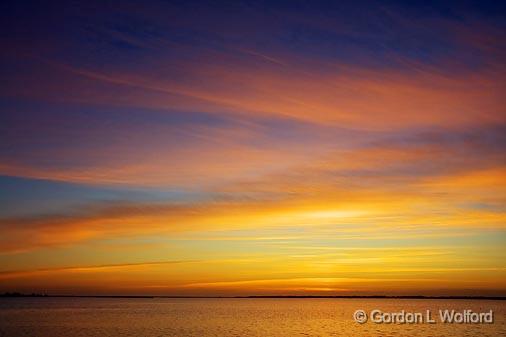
(253,147)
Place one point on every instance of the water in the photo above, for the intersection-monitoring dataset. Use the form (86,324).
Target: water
(75,317)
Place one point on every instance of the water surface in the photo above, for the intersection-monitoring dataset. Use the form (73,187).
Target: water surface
(102,317)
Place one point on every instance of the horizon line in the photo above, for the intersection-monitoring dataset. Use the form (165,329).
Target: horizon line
(443,297)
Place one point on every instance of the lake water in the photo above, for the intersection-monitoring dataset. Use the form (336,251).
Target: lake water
(101,317)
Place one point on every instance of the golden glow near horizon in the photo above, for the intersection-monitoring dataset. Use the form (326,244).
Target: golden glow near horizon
(178,159)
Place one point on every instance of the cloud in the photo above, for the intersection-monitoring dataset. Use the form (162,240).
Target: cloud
(283,128)
(434,179)
(84,269)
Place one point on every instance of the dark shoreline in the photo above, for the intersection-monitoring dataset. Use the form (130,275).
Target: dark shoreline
(409,297)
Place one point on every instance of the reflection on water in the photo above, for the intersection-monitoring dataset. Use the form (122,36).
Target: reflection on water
(65,317)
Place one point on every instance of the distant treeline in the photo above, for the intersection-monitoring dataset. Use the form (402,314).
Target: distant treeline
(413,297)
(16,294)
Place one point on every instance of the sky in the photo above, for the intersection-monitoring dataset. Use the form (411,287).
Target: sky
(253,147)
